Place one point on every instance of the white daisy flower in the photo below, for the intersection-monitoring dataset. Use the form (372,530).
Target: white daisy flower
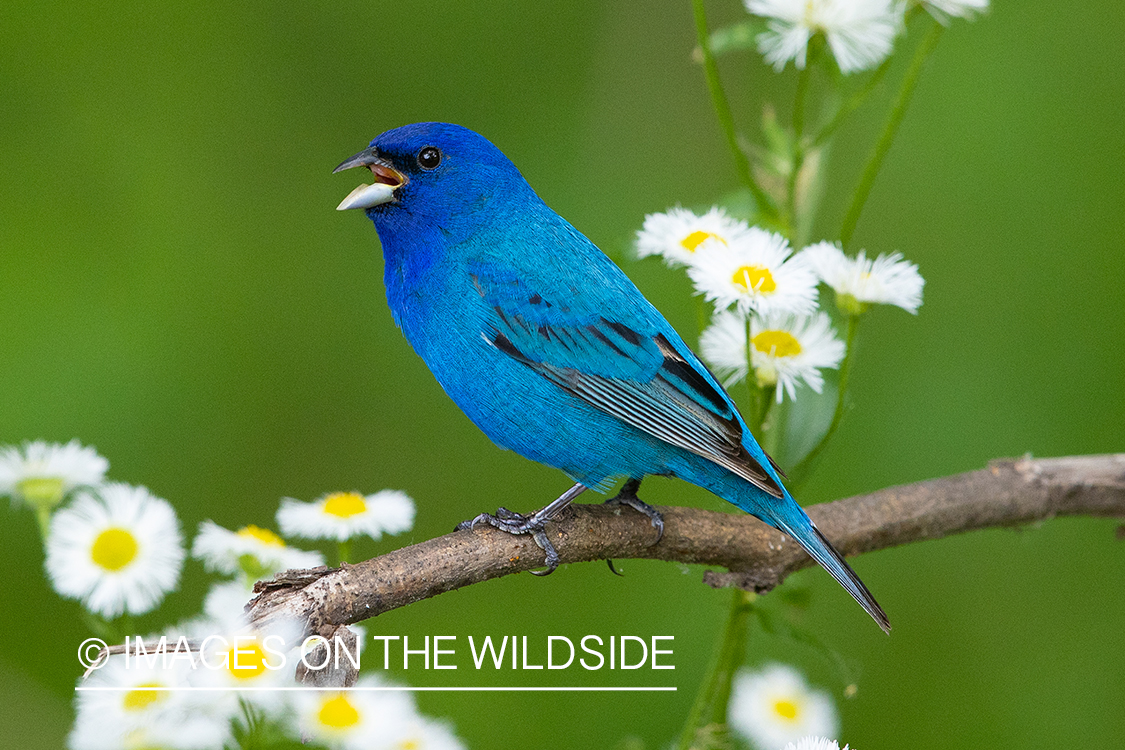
(137,704)
(678,233)
(252,551)
(942,10)
(860,33)
(344,515)
(774,705)
(756,273)
(362,719)
(785,349)
(814,743)
(858,282)
(120,553)
(233,656)
(42,474)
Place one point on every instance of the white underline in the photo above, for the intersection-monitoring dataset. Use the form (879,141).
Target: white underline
(485,689)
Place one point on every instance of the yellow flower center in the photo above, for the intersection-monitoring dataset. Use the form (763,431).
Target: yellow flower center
(44,491)
(247,659)
(136,700)
(338,713)
(754,279)
(114,548)
(697,238)
(344,504)
(265,536)
(785,709)
(777,344)
(409,745)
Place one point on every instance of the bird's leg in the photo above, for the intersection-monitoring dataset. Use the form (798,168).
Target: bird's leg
(517,523)
(628,496)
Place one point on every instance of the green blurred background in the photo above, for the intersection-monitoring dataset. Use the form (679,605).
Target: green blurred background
(177,290)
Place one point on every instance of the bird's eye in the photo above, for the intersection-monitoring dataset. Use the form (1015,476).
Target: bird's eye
(429,158)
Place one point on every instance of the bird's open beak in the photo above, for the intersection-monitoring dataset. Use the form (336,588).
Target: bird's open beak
(387,180)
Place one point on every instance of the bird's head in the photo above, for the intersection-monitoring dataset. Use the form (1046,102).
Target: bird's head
(430,173)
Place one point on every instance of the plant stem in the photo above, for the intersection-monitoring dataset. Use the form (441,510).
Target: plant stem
(797,157)
(890,129)
(759,398)
(852,104)
(344,551)
(707,720)
(43,515)
(857,98)
(726,119)
(798,474)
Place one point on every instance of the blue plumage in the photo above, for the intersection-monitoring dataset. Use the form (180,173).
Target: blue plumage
(545,344)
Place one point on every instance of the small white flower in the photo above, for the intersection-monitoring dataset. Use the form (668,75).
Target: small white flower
(233,655)
(943,9)
(253,551)
(360,719)
(344,515)
(887,280)
(860,33)
(814,743)
(120,553)
(678,233)
(42,473)
(785,349)
(756,273)
(774,706)
(137,704)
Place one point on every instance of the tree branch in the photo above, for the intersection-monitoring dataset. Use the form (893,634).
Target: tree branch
(756,557)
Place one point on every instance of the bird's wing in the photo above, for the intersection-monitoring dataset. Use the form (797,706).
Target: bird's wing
(630,371)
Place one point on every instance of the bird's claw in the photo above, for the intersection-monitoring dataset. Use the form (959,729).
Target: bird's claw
(628,496)
(517,523)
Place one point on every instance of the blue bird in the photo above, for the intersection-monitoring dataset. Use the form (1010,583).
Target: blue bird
(548,347)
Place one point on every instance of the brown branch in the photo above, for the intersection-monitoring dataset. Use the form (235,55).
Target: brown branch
(1007,493)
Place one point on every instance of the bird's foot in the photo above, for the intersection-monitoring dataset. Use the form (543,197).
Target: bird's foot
(534,524)
(628,496)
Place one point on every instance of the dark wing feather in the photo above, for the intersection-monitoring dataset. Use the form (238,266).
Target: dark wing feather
(640,379)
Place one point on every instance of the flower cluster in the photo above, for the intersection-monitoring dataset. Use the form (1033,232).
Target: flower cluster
(119,550)
(859,33)
(766,296)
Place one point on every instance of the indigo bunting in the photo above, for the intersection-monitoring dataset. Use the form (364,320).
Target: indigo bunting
(548,347)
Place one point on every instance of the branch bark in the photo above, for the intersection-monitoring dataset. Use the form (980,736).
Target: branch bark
(755,557)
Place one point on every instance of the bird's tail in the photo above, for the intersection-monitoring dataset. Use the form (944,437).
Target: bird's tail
(821,550)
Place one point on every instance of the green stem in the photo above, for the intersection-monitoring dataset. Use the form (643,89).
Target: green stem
(752,381)
(726,119)
(890,129)
(707,719)
(767,420)
(853,103)
(797,157)
(344,551)
(43,515)
(799,472)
